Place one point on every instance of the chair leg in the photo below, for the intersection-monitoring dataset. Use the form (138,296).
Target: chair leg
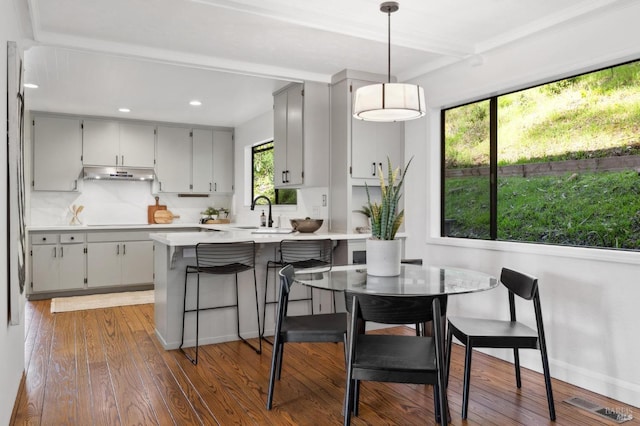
(356,398)
(448,355)
(516,364)
(265,302)
(467,379)
(193,360)
(349,399)
(547,381)
(255,285)
(276,358)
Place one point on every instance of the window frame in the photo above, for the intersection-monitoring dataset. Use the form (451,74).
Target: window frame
(259,148)
(493,178)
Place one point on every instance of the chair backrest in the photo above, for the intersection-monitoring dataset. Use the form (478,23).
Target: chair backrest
(286,279)
(235,256)
(521,284)
(394,309)
(307,253)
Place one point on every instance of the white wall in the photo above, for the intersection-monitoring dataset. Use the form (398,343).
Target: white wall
(589,297)
(248,134)
(11,337)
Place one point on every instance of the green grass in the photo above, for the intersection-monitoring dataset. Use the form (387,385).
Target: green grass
(589,209)
(573,118)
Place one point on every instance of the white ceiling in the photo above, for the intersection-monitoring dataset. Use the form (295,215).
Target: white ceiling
(94,56)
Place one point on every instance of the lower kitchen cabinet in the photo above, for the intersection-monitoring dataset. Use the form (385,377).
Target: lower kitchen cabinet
(57,262)
(117,263)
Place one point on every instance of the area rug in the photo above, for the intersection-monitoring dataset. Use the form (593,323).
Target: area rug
(97,301)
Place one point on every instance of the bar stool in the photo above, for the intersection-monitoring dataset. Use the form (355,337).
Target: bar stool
(220,259)
(299,254)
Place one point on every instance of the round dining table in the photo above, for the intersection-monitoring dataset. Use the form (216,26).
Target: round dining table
(414,280)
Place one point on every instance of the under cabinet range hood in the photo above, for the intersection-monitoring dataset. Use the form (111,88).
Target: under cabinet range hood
(118,173)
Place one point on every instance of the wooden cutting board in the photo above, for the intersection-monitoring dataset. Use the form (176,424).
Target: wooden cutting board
(152,209)
(164,216)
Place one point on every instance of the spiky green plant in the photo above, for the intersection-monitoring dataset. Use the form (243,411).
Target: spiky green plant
(385,218)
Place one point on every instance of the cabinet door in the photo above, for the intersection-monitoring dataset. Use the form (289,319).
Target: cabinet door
(57,153)
(72,266)
(280,139)
(371,144)
(173,167)
(294,136)
(202,160)
(100,141)
(44,267)
(137,144)
(222,161)
(103,264)
(137,262)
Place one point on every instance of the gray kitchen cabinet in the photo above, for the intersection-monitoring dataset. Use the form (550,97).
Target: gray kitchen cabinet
(301,135)
(222,161)
(372,142)
(118,263)
(202,154)
(173,159)
(117,143)
(57,262)
(288,137)
(57,152)
(198,160)
(357,148)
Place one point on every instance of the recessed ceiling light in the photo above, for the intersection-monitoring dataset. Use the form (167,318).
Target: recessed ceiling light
(30,85)
(195,103)
(124,110)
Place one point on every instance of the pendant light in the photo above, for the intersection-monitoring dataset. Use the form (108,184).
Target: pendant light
(389,101)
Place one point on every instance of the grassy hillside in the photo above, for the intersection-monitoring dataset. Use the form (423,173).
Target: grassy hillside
(596,114)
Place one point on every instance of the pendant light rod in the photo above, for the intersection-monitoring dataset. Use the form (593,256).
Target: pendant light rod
(389,7)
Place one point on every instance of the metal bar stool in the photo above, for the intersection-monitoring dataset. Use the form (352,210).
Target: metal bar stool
(220,259)
(299,254)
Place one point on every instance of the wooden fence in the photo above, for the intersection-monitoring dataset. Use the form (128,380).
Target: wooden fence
(630,162)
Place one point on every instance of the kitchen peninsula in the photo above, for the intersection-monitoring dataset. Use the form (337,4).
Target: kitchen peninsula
(174,251)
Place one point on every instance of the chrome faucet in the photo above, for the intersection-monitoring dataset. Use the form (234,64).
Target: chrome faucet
(253,205)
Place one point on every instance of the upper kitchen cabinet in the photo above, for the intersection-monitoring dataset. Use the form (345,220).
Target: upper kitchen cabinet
(198,160)
(57,152)
(222,161)
(301,135)
(117,143)
(359,147)
(173,160)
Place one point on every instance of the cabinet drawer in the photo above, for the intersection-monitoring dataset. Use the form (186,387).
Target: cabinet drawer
(71,238)
(37,239)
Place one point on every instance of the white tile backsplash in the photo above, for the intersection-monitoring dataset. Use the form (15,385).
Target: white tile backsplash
(115,203)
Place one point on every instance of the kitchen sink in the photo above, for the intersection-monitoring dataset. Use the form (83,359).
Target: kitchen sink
(246,227)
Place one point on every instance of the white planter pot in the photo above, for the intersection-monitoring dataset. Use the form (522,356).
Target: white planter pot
(383,257)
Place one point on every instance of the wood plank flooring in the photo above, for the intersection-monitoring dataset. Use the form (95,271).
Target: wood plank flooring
(106,367)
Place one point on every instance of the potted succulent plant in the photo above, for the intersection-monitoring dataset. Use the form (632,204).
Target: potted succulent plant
(383,250)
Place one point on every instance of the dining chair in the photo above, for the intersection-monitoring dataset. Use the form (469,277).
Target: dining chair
(220,259)
(490,333)
(313,328)
(299,254)
(395,358)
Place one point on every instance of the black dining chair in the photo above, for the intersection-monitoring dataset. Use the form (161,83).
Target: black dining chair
(489,333)
(299,254)
(316,328)
(395,358)
(220,259)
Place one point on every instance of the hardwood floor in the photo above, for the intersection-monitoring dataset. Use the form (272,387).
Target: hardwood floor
(106,367)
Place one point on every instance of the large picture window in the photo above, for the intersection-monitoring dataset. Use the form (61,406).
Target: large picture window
(557,163)
(262,177)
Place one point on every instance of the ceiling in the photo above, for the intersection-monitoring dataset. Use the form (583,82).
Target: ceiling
(94,56)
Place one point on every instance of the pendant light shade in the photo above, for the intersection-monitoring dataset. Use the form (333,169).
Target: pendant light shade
(389,101)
